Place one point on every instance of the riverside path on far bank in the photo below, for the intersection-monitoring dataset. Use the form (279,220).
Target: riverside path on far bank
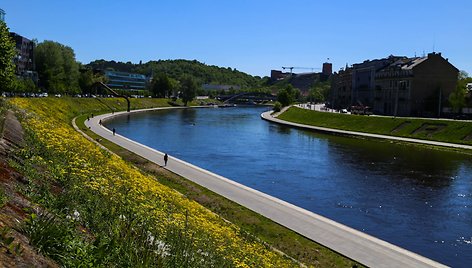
(356,245)
(272,117)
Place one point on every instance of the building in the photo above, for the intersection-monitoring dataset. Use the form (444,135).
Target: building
(341,89)
(327,69)
(276,75)
(2,15)
(126,81)
(418,86)
(363,79)
(24,59)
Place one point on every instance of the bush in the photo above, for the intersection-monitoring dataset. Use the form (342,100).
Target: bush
(277,106)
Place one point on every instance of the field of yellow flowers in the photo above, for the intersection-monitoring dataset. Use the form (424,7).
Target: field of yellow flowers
(104,212)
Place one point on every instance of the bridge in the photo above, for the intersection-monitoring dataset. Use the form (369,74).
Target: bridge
(247,97)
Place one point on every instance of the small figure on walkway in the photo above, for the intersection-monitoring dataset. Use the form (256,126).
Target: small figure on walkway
(114,130)
(100,122)
(88,118)
(92,116)
(166,157)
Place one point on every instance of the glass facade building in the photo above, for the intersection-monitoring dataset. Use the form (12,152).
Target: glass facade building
(2,15)
(127,81)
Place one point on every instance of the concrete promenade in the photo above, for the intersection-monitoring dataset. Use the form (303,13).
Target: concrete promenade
(354,244)
(269,117)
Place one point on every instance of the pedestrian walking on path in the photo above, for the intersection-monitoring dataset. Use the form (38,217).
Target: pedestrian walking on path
(166,157)
(114,130)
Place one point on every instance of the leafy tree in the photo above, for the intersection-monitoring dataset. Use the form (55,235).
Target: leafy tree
(24,85)
(57,69)
(463,75)
(284,97)
(288,95)
(87,79)
(189,89)
(161,86)
(277,106)
(7,53)
(457,98)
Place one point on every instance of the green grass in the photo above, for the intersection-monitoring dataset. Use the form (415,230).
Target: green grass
(435,130)
(289,242)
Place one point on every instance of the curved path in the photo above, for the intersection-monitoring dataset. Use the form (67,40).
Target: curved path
(356,245)
(273,118)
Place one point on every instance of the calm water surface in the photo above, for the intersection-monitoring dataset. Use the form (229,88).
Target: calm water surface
(417,198)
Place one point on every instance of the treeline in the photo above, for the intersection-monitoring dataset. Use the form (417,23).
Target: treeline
(179,69)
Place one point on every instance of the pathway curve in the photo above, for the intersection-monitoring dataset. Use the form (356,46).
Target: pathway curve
(354,244)
(273,118)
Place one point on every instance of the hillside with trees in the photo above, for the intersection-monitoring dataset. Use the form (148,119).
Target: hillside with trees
(179,69)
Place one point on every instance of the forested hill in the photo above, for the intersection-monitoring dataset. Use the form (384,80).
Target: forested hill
(176,69)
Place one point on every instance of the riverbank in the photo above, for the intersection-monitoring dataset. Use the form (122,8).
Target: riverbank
(54,142)
(368,250)
(443,133)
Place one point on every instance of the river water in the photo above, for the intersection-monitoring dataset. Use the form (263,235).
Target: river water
(414,197)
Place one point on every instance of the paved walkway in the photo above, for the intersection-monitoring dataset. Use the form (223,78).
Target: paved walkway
(356,245)
(267,116)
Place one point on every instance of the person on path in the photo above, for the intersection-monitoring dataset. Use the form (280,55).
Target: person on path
(114,130)
(100,122)
(166,157)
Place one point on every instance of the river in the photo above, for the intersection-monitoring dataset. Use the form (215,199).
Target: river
(412,196)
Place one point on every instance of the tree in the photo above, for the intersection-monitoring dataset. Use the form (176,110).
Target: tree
(57,69)
(288,95)
(284,98)
(7,53)
(161,86)
(87,79)
(24,85)
(457,98)
(189,89)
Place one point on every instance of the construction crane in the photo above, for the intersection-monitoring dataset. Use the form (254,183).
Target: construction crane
(306,68)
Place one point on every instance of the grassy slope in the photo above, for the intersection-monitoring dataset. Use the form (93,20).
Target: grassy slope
(281,238)
(453,131)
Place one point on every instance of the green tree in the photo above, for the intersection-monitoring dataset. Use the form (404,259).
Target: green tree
(189,89)
(87,79)
(161,86)
(24,85)
(457,99)
(57,69)
(7,53)
(288,95)
(284,97)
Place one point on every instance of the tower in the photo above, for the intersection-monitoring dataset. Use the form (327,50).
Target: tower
(327,68)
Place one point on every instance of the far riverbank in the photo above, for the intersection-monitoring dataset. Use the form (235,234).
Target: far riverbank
(446,133)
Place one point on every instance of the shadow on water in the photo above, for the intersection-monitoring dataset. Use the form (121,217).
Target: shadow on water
(415,164)
(281,129)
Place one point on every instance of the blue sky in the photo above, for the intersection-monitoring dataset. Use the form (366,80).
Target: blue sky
(253,36)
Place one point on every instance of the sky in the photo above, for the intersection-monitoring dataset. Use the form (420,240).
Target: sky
(253,36)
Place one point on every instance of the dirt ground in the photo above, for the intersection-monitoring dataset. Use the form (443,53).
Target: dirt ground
(15,250)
